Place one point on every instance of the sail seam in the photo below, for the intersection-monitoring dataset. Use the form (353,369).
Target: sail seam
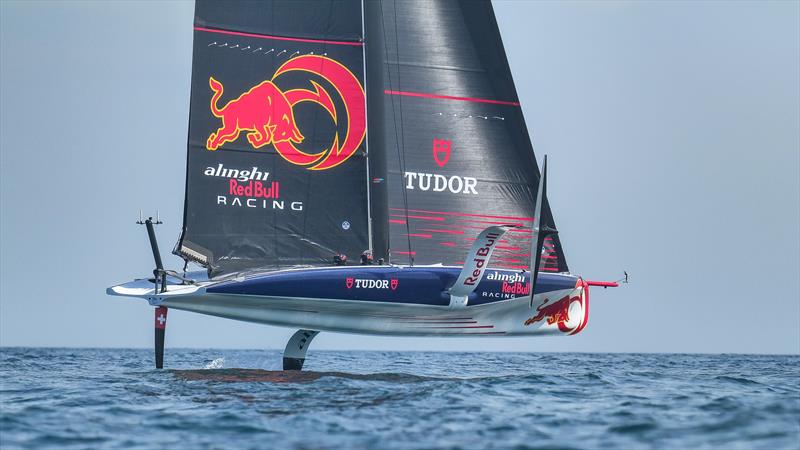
(437,67)
(450,97)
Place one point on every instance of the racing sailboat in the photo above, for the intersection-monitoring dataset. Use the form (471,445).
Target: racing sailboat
(362,167)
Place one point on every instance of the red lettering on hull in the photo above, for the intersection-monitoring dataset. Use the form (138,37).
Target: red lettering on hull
(516,288)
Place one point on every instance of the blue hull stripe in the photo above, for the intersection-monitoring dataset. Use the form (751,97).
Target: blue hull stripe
(415,285)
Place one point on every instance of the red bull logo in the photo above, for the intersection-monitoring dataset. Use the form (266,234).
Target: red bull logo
(263,111)
(481,255)
(555,313)
(517,289)
(266,113)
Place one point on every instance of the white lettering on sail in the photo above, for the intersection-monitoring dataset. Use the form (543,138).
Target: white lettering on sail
(241,175)
(440,183)
(256,203)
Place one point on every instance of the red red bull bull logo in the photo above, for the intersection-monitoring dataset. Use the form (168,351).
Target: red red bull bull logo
(517,289)
(557,312)
(265,113)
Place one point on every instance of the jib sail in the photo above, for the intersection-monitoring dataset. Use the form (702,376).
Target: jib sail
(276,167)
(444,107)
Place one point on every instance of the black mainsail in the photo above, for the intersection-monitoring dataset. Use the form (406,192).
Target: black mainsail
(283,93)
(276,167)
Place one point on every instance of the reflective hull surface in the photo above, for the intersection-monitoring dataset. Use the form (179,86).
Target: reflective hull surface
(389,300)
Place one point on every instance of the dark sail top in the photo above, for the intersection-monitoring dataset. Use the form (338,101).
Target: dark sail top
(276,166)
(457,149)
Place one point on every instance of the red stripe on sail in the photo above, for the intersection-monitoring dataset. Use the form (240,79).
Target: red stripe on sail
(440,219)
(492,222)
(506,260)
(437,230)
(511,266)
(277,38)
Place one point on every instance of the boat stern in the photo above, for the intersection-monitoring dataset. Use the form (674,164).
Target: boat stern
(561,313)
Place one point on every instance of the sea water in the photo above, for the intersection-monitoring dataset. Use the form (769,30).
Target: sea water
(113,398)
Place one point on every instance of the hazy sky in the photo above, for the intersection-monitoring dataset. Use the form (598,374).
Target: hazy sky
(673,131)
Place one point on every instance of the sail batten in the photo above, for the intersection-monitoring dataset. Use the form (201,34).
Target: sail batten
(450,97)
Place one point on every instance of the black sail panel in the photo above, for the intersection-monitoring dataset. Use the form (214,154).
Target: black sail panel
(276,166)
(458,153)
(338,20)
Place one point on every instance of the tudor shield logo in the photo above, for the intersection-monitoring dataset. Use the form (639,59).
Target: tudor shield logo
(369,283)
(456,184)
(441,151)
(266,113)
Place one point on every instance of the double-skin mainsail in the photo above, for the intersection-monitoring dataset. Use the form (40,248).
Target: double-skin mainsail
(320,128)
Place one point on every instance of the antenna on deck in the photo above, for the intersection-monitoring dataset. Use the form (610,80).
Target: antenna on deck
(160,275)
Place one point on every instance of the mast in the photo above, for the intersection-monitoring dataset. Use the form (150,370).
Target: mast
(374,56)
(366,139)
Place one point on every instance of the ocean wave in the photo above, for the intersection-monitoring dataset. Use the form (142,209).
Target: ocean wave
(98,398)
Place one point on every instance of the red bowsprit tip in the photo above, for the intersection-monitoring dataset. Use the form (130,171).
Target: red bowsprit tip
(605,284)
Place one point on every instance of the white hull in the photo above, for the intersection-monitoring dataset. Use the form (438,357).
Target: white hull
(500,318)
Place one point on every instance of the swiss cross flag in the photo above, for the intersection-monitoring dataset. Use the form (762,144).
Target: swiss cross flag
(161,317)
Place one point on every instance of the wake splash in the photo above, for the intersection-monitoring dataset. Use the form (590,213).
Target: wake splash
(290,376)
(218,363)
